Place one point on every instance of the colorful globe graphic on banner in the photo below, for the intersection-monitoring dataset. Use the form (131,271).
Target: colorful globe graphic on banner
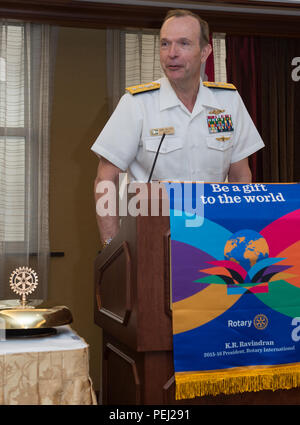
(246,247)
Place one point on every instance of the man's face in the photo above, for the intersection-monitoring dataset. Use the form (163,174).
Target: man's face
(180,53)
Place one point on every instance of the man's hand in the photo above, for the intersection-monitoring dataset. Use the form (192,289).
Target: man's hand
(108,225)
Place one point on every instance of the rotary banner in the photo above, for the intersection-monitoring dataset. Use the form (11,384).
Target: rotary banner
(235,255)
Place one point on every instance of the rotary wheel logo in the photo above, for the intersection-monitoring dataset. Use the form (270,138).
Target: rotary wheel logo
(260,321)
(23,281)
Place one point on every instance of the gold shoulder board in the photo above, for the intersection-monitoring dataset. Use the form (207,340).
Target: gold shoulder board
(213,85)
(140,88)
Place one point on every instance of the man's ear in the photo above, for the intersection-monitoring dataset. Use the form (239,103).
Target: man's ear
(205,52)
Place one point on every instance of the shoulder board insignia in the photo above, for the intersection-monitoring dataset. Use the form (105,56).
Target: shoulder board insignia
(213,85)
(140,88)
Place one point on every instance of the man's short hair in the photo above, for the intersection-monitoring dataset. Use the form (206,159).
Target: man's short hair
(204,28)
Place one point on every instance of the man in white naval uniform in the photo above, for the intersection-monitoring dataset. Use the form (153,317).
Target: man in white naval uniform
(209,133)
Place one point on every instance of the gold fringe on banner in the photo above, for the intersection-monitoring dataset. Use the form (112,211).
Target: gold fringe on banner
(237,380)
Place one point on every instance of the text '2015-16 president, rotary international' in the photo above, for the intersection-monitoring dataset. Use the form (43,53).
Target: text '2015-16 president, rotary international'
(209,134)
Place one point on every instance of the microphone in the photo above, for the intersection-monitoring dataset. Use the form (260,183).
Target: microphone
(155,159)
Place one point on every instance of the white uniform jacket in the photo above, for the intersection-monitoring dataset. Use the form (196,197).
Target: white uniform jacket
(201,149)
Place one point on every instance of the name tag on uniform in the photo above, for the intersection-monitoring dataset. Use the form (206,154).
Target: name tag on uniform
(161,131)
(219,123)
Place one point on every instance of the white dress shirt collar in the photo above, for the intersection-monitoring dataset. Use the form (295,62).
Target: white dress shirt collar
(169,99)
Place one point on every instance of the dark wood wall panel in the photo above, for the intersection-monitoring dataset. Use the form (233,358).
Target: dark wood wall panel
(103,15)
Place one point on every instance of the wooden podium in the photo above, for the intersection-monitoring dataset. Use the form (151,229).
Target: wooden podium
(133,307)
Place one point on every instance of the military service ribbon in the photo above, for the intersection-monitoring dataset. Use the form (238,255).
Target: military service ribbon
(219,123)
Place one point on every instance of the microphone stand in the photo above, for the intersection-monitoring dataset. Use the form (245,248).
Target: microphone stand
(155,159)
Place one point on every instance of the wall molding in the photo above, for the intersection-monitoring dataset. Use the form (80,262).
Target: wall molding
(233,17)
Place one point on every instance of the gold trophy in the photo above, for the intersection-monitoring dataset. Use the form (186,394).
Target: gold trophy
(21,317)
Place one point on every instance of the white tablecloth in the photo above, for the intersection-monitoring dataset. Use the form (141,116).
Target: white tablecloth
(46,370)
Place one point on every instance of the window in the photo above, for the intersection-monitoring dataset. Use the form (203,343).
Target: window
(12,134)
(142,62)
(26,52)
